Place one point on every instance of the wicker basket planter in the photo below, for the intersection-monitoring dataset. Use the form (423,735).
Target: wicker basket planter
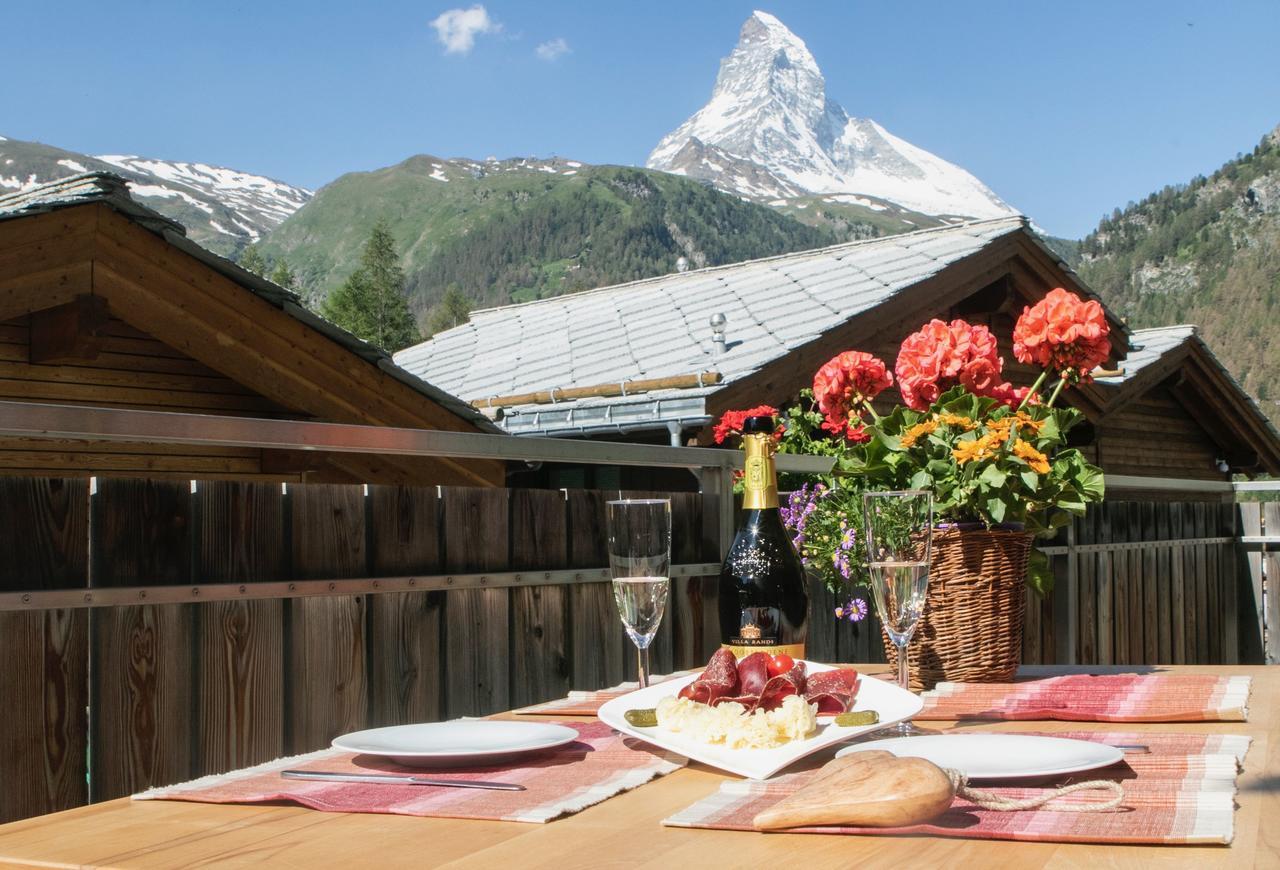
(972,625)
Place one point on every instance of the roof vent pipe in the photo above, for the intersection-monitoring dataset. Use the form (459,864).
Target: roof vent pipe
(718,321)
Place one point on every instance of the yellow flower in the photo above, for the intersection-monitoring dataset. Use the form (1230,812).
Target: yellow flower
(977,449)
(1038,461)
(913,434)
(1025,419)
(957,420)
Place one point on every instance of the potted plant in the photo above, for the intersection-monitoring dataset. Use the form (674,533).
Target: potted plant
(994,456)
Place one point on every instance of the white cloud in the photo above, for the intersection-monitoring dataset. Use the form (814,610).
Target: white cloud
(457,29)
(552,48)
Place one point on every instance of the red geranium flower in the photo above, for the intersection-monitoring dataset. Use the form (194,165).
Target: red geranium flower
(1063,334)
(842,386)
(942,355)
(731,422)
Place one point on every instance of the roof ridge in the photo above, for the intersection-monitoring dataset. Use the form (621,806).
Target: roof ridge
(1022,220)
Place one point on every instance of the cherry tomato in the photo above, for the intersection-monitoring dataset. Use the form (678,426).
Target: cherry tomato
(780,664)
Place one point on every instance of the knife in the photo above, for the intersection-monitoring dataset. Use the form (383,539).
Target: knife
(333,776)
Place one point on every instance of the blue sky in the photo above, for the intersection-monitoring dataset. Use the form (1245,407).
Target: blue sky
(1066,110)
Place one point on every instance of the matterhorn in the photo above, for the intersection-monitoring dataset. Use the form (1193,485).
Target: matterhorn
(771,133)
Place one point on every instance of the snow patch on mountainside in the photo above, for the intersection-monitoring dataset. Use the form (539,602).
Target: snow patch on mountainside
(770,131)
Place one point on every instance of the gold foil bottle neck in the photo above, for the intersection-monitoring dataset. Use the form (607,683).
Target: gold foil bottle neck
(760,479)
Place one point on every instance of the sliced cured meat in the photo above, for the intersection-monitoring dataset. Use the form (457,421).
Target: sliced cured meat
(832,691)
(779,687)
(753,674)
(718,679)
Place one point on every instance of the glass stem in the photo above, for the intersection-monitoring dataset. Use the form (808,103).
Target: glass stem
(904,679)
(642,666)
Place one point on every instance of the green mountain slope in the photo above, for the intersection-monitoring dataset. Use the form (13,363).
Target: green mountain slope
(1208,253)
(503,231)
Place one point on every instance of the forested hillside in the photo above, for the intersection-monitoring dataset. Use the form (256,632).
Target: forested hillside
(1206,252)
(503,231)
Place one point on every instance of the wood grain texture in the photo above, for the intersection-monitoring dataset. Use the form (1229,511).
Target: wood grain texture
(240,678)
(327,688)
(1249,598)
(598,641)
(142,673)
(1271,565)
(44,732)
(44,533)
(477,621)
(540,621)
(405,642)
(694,606)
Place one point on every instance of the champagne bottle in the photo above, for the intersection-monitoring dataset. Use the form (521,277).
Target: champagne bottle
(764,602)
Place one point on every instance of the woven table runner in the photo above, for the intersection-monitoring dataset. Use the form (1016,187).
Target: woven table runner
(561,782)
(1101,698)
(1181,792)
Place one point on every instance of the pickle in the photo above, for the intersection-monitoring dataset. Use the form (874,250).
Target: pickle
(645,718)
(847,720)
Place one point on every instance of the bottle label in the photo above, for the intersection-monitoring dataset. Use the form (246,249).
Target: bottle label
(795,650)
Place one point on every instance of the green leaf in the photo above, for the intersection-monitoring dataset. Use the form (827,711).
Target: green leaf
(993,476)
(1039,573)
(996,509)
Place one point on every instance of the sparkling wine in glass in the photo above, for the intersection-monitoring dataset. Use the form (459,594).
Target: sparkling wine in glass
(640,562)
(899,528)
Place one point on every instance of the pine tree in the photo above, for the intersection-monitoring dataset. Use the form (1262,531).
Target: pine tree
(251,260)
(371,303)
(454,309)
(283,275)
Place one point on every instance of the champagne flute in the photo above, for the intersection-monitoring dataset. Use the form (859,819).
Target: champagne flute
(899,527)
(640,562)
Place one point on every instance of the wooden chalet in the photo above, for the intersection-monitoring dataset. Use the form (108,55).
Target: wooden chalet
(662,359)
(105,302)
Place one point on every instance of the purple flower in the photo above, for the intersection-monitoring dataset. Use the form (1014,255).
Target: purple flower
(855,610)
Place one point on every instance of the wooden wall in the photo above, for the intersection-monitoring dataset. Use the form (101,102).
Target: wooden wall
(181,690)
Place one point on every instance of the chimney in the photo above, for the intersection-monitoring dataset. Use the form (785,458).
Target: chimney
(718,320)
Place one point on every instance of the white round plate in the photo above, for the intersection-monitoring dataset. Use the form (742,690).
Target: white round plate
(999,756)
(457,743)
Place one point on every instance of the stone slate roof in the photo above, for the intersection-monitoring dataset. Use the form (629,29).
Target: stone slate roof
(113,191)
(659,327)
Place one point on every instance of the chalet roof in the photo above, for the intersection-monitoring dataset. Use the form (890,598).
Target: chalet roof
(113,191)
(1150,347)
(658,327)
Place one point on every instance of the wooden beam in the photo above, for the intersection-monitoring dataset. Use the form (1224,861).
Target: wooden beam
(70,331)
(35,291)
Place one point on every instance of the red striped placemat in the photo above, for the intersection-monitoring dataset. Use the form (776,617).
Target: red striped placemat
(1181,792)
(561,782)
(1096,698)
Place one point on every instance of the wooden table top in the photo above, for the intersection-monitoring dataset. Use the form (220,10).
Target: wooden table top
(625,831)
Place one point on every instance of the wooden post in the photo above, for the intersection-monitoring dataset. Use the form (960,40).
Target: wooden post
(1271,565)
(1249,583)
(1066,606)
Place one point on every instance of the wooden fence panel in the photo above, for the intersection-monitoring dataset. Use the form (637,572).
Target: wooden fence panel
(142,670)
(695,600)
(240,676)
(1087,592)
(44,544)
(599,646)
(540,620)
(478,625)
(327,689)
(1178,578)
(405,640)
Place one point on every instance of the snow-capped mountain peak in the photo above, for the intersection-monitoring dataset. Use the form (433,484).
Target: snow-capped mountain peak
(770,131)
(222,209)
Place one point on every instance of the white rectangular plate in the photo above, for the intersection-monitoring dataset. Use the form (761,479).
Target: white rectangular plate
(893,704)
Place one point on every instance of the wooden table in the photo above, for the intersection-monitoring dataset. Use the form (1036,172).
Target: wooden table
(624,831)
